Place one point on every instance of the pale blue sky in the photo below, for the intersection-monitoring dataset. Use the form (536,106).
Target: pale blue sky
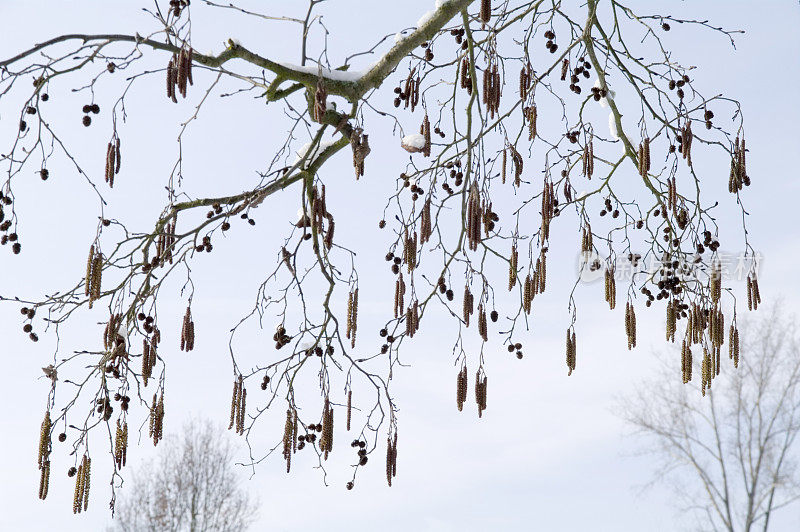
(548,455)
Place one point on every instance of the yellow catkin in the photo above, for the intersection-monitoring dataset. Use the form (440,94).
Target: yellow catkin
(610,287)
(121,444)
(44,439)
(44,480)
(77,499)
(671,321)
(715,282)
(686,362)
(353,318)
(706,372)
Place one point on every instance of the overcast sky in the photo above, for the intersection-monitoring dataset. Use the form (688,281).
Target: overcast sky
(549,453)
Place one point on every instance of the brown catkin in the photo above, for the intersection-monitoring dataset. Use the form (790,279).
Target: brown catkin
(97,278)
(89,264)
(503,166)
(172,79)
(686,142)
(461,388)
(320,101)
(480,391)
(571,351)
(399,295)
(157,419)
(733,345)
(518,162)
(532,114)
(486,11)
(349,407)
(187,331)
(512,267)
(389,460)
(482,325)
(426,132)
(527,294)
(182,72)
(242,411)
(289,437)
(474,217)
(525,77)
(326,441)
(468,304)
(425,222)
(110,164)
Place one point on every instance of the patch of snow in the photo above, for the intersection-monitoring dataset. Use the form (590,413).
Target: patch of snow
(425,18)
(304,149)
(305,346)
(399,36)
(335,75)
(300,214)
(416,141)
(612,126)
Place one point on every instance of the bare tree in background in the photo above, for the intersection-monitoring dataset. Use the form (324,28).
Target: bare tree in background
(190,486)
(733,455)
(511,117)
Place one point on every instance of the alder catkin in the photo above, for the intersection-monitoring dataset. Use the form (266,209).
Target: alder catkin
(349,407)
(512,267)
(486,11)
(461,388)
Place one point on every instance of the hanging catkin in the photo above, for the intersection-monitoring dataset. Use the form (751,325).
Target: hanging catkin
(512,267)
(480,391)
(461,388)
(571,351)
